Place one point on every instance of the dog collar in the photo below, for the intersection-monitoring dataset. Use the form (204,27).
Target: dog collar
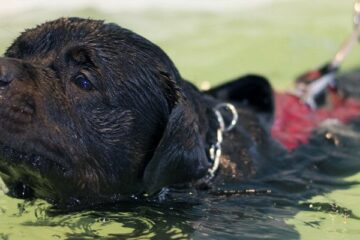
(215,149)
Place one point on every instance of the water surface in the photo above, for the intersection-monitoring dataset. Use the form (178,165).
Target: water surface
(311,195)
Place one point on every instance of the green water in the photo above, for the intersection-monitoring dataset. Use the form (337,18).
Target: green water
(280,41)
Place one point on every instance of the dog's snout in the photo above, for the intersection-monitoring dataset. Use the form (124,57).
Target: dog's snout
(17,105)
(8,71)
(5,76)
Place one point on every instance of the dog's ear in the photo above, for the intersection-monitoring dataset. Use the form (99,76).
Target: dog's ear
(180,156)
(251,91)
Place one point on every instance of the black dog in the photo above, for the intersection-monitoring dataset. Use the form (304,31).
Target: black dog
(91,112)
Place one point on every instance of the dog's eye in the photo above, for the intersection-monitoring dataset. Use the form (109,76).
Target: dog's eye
(83,82)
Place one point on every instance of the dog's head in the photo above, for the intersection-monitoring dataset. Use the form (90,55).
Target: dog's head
(90,111)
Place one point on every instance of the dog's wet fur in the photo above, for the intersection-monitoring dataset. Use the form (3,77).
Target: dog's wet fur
(91,112)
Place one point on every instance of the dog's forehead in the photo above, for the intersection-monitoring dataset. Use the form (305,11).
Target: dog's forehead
(56,36)
(110,46)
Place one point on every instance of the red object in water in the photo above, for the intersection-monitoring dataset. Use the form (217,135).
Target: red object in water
(294,120)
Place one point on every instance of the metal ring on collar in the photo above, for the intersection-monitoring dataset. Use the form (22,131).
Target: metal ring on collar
(220,118)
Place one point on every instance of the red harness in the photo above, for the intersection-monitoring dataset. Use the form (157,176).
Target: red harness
(294,120)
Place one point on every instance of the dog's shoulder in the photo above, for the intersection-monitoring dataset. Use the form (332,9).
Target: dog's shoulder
(251,91)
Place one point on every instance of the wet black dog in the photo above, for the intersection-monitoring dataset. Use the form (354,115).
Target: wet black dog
(91,112)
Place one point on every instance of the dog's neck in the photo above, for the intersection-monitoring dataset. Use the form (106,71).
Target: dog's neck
(214,118)
(215,151)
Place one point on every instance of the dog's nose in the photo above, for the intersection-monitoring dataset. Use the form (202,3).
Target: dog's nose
(7,71)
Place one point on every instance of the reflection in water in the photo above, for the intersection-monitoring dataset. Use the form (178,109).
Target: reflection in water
(312,170)
(36,220)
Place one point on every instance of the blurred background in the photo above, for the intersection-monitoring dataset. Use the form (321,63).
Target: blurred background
(212,41)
